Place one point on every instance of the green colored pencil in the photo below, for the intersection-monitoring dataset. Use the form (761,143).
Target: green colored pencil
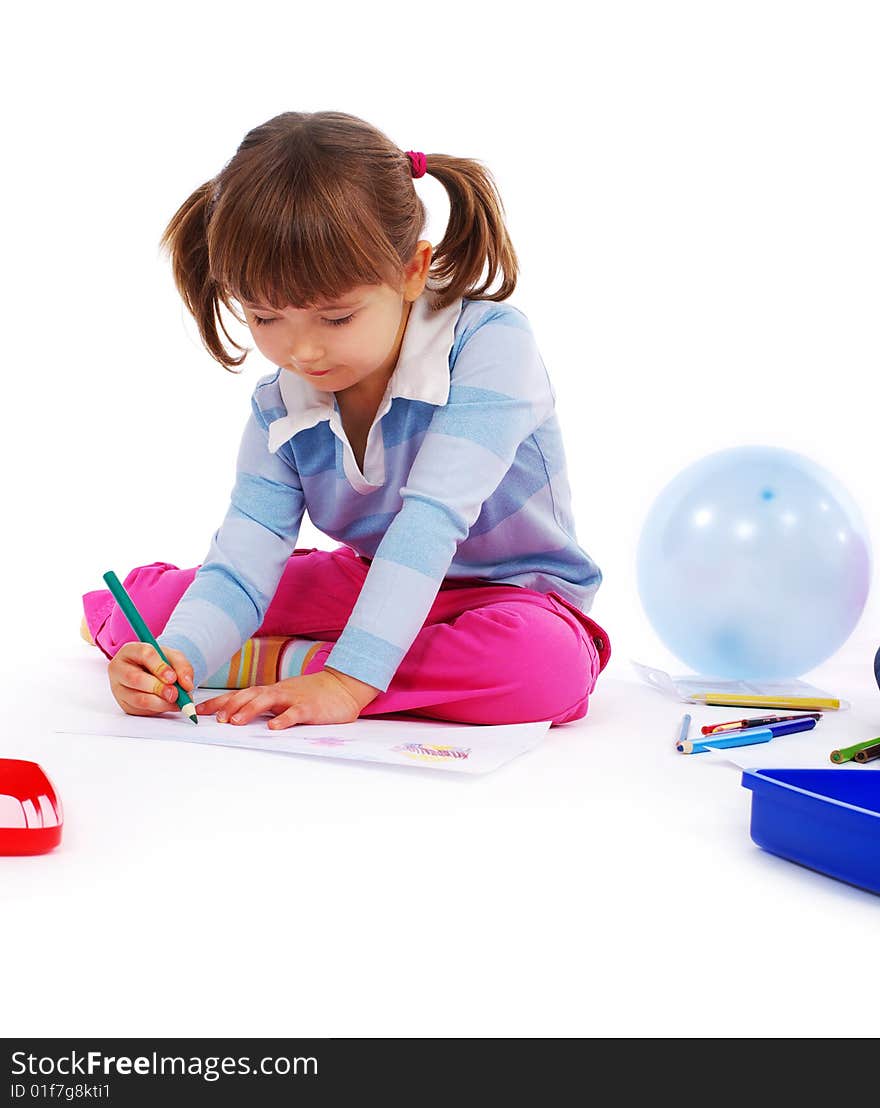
(184,700)
(849,752)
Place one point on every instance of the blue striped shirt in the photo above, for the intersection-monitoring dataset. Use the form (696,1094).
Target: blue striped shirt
(463,477)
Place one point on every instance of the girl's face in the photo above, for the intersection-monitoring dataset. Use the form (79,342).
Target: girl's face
(336,345)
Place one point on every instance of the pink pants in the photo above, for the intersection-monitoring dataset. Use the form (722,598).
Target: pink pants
(486,653)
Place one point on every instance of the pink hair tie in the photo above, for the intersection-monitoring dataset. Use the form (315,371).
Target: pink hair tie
(418,163)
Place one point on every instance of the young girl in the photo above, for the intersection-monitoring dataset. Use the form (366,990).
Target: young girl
(410,414)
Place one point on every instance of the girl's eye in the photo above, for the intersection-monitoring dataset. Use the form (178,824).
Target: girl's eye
(261,321)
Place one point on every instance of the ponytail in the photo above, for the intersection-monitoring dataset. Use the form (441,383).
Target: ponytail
(185,239)
(476,237)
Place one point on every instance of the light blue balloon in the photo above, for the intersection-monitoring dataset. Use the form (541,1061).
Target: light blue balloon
(754,562)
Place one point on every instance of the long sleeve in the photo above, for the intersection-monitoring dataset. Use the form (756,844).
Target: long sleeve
(227,600)
(499,395)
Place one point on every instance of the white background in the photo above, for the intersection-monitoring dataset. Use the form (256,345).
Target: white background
(692,192)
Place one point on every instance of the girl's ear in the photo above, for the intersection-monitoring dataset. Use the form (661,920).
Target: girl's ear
(416,271)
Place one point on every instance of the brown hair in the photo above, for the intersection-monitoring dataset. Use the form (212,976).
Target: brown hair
(312,205)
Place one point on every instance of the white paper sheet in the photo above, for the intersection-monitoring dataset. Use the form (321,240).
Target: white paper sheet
(801,750)
(779,753)
(458,748)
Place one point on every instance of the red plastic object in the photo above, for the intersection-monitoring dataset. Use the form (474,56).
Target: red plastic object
(30,811)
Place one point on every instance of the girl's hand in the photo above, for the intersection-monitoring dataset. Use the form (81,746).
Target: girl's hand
(324,697)
(143,684)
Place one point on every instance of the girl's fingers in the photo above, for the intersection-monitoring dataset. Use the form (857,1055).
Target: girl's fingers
(182,668)
(297,713)
(143,683)
(143,704)
(244,705)
(134,679)
(230,704)
(214,704)
(148,658)
(243,709)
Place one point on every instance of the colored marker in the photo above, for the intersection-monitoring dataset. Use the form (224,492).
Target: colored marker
(869,753)
(759,735)
(791,728)
(758,721)
(184,700)
(808,703)
(847,753)
(683,729)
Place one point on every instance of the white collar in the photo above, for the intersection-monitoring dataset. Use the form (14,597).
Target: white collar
(421,373)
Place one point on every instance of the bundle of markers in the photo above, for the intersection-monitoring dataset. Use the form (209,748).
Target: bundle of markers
(742,732)
(761,729)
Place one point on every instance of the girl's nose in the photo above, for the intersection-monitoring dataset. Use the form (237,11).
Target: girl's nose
(304,347)
(305,355)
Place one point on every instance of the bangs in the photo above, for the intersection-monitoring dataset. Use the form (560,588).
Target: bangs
(293,237)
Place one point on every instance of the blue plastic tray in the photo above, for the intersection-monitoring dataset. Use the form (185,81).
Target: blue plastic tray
(827,819)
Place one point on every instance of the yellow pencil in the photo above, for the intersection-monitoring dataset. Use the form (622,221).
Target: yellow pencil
(807,702)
